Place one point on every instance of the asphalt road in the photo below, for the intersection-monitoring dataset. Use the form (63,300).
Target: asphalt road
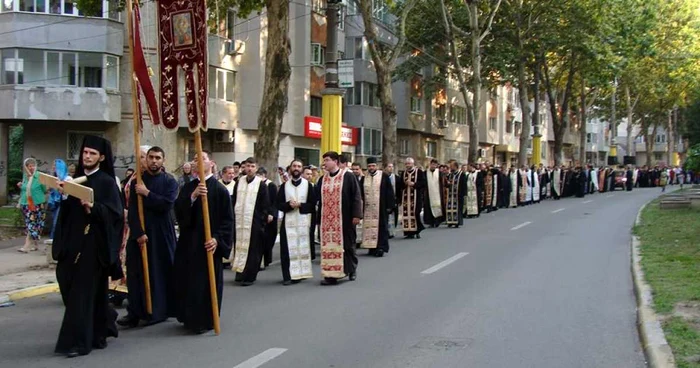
(547,285)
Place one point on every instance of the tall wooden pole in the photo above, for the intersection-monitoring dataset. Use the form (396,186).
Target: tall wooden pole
(137,154)
(207,234)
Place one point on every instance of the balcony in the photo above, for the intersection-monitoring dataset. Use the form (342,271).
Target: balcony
(27,102)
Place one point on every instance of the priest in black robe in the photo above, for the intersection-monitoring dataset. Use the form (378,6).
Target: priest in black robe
(249,243)
(339,208)
(456,194)
(428,217)
(629,174)
(481,186)
(302,246)
(86,245)
(413,189)
(159,191)
(379,245)
(193,297)
(270,227)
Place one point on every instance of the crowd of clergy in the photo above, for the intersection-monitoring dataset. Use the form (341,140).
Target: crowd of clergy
(338,209)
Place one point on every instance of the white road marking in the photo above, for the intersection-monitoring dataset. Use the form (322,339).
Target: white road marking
(261,358)
(587,201)
(521,225)
(559,210)
(444,263)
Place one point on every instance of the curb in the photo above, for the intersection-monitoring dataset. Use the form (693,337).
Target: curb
(656,348)
(29,292)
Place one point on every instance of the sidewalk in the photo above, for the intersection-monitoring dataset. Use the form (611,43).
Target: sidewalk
(23,274)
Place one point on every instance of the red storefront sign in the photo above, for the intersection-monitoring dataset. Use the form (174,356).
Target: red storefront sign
(312,129)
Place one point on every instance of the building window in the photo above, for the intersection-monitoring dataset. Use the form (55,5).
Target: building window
(660,138)
(404,148)
(75,141)
(318,54)
(341,55)
(307,156)
(107,8)
(341,17)
(361,49)
(380,11)
(221,84)
(658,156)
(492,123)
(371,142)
(509,126)
(416,104)
(36,67)
(431,149)
(440,111)
(316,106)
(318,6)
(458,115)
(352,8)
(366,94)
(543,149)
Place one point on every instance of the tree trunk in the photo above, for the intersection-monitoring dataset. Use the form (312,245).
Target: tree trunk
(670,137)
(631,147)
(276,85)
(649,139)
(389,118)
(525,108)
(476,81)
(583,131)
(560,120)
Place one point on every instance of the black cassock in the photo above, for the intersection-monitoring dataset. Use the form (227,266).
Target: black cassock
(86,246)
(386,205)
(456,216)
(419,186)
(351,203)
(307,208)
(544,184)
(580,179)
(503,189)
(480,189)
(428,217)
(160,229)
(258,237)
(191,272)
(270,228)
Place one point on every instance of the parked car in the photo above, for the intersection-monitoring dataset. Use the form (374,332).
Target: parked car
(620,179)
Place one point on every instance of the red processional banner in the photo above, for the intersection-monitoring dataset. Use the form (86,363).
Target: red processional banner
(183,46)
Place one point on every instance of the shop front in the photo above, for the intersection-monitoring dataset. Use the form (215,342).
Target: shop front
(349,138)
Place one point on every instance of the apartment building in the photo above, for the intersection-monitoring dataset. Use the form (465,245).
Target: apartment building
(65,74)
(659,148)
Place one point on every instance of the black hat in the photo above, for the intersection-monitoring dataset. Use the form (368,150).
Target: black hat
(371,160)
(104,148)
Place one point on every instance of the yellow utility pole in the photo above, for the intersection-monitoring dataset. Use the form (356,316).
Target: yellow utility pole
(332,103)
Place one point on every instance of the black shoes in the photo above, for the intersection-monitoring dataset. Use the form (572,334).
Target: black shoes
(417,236)
(128,321)
(329,281)
(353,276)
(247,283)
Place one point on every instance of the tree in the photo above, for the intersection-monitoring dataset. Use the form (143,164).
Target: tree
(479,19)
(384,57)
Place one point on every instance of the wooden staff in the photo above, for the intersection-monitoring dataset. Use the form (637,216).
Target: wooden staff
(207,234)
(137,153)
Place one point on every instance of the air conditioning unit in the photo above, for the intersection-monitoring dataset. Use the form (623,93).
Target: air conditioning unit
(442,123)
(224,136)
(235,47)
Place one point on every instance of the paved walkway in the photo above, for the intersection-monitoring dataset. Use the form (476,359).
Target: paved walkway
(22,270)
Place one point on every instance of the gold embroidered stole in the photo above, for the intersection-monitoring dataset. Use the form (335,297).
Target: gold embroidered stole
(297,227)
(332,226)
(452,205)
(433,178)
(472,200)
(488,184)
(513,189)
(408,201)
(370,222)
(246,197)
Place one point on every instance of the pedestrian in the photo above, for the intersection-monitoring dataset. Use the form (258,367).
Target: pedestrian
(629,176)
(186,176)
(297,201)
(191,273)
(471,200)
(434,211)
(71,170)
(236,170)
(681,178)
(378,200)
(60,171)
(251,208)
(340,210)
(410,188)
(32,202)
(271,229)
(309,176)
(127,175)
(228,176)
(86,246)
(456,193)
(663,180)
(513,187)
(394,217)
(158,193)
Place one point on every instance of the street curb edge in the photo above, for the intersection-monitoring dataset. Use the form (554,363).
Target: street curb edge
(654,343)
(29,292)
